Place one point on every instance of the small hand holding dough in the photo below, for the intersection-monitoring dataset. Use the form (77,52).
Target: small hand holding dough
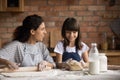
(74,65)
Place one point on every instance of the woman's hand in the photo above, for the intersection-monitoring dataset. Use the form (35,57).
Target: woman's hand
(12,65)
(43,65)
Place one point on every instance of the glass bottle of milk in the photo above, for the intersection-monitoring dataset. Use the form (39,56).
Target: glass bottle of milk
(94,59)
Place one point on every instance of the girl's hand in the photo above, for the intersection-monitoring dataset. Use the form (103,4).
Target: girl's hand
(63,66)
(84,65)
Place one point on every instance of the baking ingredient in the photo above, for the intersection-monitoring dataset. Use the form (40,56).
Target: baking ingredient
(94,59)
(103,62)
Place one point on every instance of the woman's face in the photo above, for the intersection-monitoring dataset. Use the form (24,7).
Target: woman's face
(71,35)
(39,34)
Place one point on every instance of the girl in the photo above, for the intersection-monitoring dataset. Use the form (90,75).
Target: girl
(71,47)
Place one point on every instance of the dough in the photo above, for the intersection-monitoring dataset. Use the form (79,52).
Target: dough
(74,65)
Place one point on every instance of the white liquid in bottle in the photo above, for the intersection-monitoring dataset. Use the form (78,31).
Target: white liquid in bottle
(94,67)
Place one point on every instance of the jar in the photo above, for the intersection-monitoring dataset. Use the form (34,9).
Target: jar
(104,44)
(103,62)
(113,45)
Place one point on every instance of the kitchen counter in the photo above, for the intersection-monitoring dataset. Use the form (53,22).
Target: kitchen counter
(113,56)
(111,52)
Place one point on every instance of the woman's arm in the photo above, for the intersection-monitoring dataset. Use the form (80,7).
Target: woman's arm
(7,54)
(9,64)
(50,65)
(46,56)
(3,61)
(48,60)
(44,65)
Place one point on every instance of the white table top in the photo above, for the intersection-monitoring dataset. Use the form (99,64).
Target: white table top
(56,74)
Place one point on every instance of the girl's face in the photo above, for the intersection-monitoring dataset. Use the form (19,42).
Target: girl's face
(71,35)
(39,34)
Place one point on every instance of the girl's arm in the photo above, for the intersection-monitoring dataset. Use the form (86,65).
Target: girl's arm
(85,56)
(58,58)
(60,64)
(85,59)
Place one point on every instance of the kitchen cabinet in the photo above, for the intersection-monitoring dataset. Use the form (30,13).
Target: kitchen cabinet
(114,60)
(11,5)
(113,56)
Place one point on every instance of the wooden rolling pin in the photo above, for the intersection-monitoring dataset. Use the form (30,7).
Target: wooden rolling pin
(22,69)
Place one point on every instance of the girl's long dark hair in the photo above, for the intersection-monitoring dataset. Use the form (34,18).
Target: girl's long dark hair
(22,33)
(71,24)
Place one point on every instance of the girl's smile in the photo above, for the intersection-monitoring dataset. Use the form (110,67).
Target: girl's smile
(71,35)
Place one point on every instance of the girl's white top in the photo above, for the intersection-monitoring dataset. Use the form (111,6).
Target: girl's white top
(60,49)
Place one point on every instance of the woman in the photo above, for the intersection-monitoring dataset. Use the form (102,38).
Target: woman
(27,48)
(71,47)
